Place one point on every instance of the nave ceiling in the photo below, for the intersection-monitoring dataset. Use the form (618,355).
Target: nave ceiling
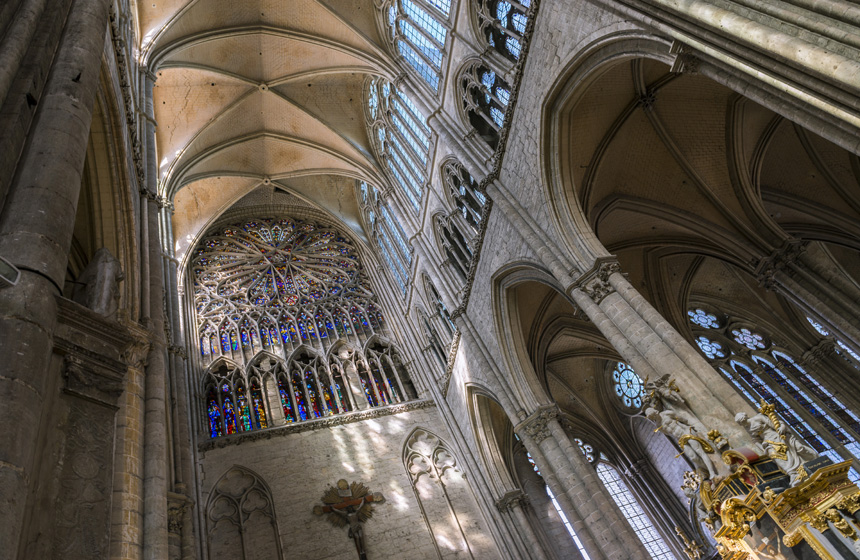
(261,94)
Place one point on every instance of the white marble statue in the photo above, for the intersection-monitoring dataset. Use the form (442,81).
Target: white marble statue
(787,451)
(677,424)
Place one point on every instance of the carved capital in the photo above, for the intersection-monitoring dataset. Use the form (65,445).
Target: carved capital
(595,281)
(178,351)
(177,505)
(512,499)
(824,348)
(135,354)
(778,260)
(536,426)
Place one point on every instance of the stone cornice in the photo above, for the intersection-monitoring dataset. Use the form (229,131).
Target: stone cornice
(311,425)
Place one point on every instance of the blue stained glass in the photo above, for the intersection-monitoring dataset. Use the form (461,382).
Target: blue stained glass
(299,394)
(244,410)
(497,116)
(423,69)
(229,416)
(513,46)
(443,6)
(214,413)
(285,402)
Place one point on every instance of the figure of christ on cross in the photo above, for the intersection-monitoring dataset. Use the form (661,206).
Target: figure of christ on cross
(350,505)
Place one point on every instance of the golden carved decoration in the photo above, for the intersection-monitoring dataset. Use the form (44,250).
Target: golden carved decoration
(731,456)
(769,410)
(792,539)
(718,439)
(682,441)
(841,524)
(849,503)
(768,495)
(779,451)
(736,517)
(691,549)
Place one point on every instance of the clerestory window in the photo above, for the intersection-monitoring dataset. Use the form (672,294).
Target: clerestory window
(485,97)
(401,138)
(503,24)
(418,32)
(387,234)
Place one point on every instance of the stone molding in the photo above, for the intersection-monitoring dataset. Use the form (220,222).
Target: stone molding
(512,499)
(595,281)
(87,378)
(536,426)
(449,368)
(498,155)
(686,59)
(311,425)
(779,260)
(817,353)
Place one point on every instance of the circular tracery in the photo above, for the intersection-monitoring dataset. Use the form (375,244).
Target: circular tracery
(628,385)
(271,263)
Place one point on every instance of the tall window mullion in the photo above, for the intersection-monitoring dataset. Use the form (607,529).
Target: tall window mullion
(414,185)
(407,157)
(421,43)
(411,136)
(397,233)
(406,187)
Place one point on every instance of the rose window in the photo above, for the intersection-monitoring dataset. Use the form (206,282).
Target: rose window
(710,348)
(703,319)
(628,385)
(751,340)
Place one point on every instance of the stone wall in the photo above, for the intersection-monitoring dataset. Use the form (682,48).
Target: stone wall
(299,467)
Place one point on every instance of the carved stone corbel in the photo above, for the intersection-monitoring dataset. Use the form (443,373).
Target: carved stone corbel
(177,505)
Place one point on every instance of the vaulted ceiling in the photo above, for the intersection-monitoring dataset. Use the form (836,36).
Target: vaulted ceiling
(259,94)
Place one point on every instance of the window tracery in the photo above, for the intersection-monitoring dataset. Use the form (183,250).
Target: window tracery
(273,298)
(457,250)
(464,193)
(626,501)
(387,233)
(485,98)
(401,138)
(628,385)
(759,369)
(417,30)
(503,23)
(438,327)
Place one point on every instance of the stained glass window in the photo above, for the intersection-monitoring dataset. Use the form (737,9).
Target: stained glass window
(632,511)
(503,25)
(271,290)
(485,100)
(419,36)
(703,319)
(402,138)
(761,371)
(465,195)
(628,385)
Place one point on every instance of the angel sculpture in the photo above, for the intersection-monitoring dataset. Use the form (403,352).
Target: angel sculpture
(677,425)
(787,451)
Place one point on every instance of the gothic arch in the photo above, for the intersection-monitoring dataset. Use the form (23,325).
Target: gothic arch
(240,518)
(447,502)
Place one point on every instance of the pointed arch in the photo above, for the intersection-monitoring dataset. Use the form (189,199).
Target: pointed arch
(240,518)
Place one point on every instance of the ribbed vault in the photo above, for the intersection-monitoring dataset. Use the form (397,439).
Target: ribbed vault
(258,94)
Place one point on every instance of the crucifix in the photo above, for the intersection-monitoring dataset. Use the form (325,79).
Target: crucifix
(350,504)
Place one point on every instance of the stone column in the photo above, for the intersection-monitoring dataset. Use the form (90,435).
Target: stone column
(602,529)
(155,469)
(35,234)
(654,348)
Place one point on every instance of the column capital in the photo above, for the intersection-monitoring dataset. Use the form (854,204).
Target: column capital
(512,499)
(595,281)
(536,425)
(820,351)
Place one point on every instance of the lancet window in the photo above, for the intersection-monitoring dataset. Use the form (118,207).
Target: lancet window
(417,30)
(503,23)
(438,326)
(464,193)
(401,138)
(485,100)
(273,299)
(387,233)
(458,251)
(626,502)
(762,370)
